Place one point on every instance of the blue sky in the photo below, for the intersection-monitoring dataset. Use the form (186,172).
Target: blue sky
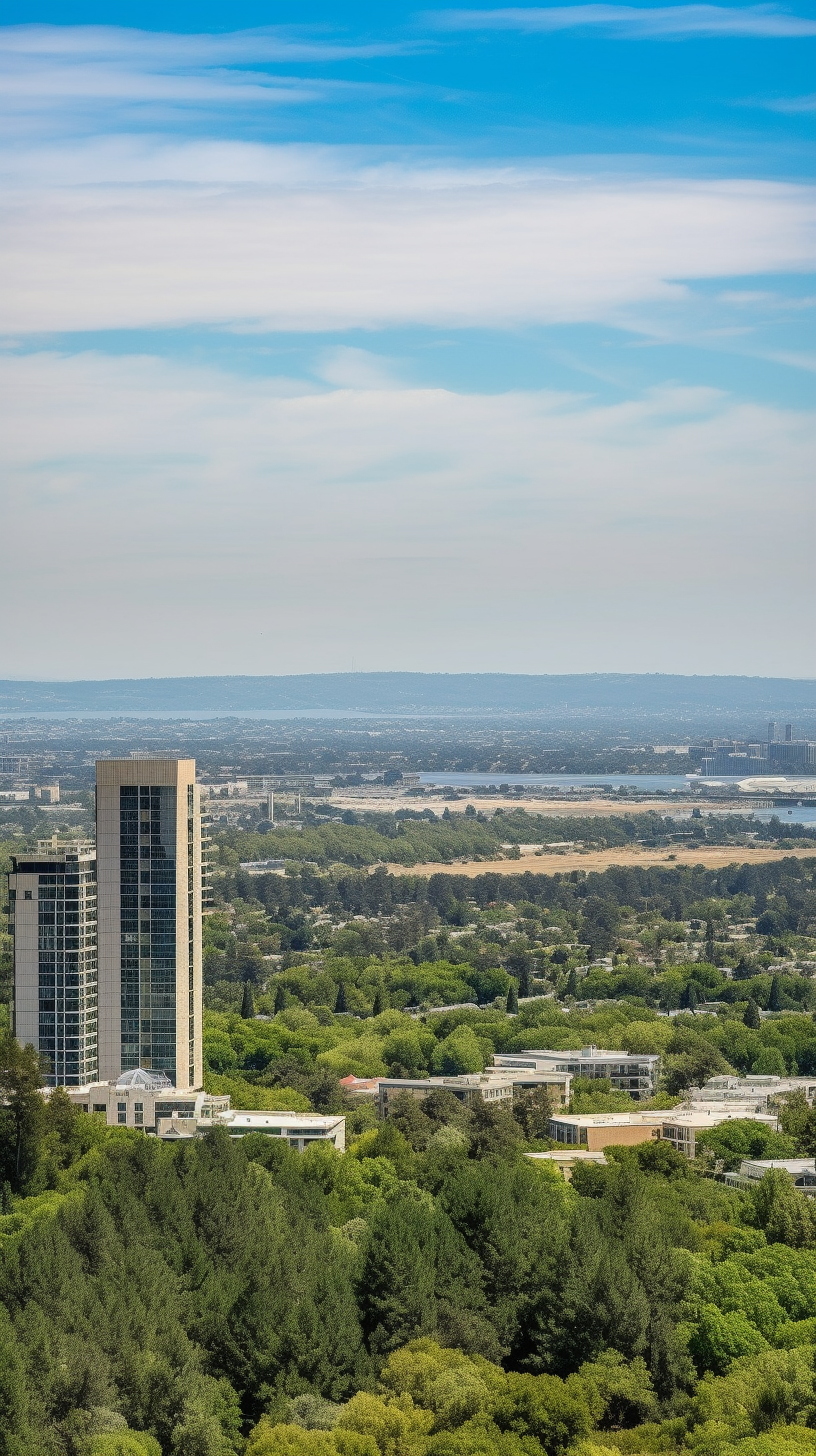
(457,339)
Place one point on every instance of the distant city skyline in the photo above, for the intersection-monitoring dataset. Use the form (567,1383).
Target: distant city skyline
(473,339)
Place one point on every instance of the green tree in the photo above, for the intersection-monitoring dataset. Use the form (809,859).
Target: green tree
(752,1017)
(280,998)
(340,1001)
(247,1002)
(512,999)
(22,1111)
(775,995)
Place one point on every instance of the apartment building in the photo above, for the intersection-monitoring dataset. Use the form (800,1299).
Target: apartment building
(469,1088)
(149,867)
(635,1073)
(53,922)
(761,1091)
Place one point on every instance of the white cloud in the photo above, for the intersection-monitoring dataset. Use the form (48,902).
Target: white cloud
(668,21)
(381,248)
(160,519)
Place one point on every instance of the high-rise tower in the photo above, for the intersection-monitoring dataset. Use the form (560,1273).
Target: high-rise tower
(148,835)
(52,911)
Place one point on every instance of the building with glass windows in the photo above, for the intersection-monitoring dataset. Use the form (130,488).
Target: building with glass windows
(53,919)
(148,837)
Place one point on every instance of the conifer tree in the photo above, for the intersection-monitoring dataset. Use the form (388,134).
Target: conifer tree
(280,998)
(512,999)
(341,1004)
(752,1017)
(247,1002)
(775,997)
(571,988)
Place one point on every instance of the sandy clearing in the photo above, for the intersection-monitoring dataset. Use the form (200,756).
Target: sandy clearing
(712,858)
(678,806)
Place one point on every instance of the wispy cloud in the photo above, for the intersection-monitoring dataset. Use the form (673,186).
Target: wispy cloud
(351,252)
(664,22)
(411,499)
(46,68)
(791,105)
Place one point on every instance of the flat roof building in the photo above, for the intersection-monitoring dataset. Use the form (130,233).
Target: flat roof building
(680,1126)
(299,1129)
(149,867)
(760,1090)
(53,921)
(802,1172)
(632,1072)
(468,1088)
(140,1098)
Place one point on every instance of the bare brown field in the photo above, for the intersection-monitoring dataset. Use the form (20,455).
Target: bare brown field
(603,859)
(559,808)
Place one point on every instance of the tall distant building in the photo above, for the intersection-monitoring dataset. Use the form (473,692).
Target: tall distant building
(148,833)
(52,912)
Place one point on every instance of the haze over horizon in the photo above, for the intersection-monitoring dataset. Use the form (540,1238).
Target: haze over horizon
(473,338)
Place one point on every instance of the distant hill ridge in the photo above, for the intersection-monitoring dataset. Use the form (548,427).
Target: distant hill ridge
(383,692)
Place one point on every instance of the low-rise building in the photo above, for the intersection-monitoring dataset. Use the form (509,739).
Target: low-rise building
(598,1130)
(468,1088)
(140,1099)
(760,1090)
(298,1129)
(680,1126)
(635,1072)
(524,1080)
(802,1171)
(565,1159)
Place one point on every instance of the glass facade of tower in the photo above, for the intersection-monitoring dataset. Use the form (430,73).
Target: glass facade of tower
(54,918)
(147,848)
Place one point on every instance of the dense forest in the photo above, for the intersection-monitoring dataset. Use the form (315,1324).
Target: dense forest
(433,1291)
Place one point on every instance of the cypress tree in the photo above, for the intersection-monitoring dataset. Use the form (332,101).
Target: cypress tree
(341,1003)
(752,1017)
(280,998)
(709,942)
(571,988)
(512,999)
(247,1002)
(524,980)
(689,998)
(379,1002)
(775,998)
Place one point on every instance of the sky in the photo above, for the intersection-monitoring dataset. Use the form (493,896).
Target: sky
(362,337)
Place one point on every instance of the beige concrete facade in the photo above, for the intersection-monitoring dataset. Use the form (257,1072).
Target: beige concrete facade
(148,827)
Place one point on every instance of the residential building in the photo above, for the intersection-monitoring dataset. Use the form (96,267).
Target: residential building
(523,1080)
(148,822)
(53,920)
(468,1088)
(751,1171)
(761,1091)
(635,1073)
(141,1099)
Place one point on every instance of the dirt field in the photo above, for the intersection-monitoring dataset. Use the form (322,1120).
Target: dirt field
(549,864)
(679,805)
